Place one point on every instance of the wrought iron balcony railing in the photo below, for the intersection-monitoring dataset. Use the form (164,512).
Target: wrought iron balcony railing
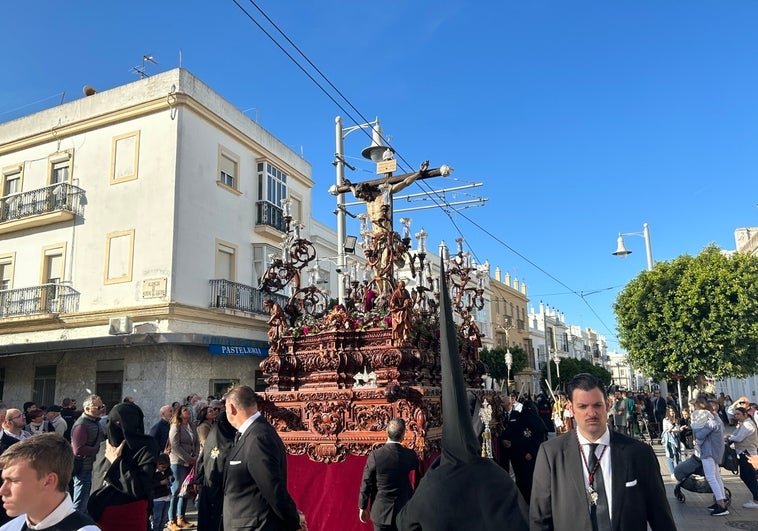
(269,214)
(47,298)
(56,197)
(234,296)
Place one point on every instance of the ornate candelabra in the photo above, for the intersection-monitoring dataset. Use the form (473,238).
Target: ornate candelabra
(466,281)
(283,275)
(485,413)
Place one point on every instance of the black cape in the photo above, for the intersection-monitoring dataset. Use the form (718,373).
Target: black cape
(466,491)
(130,477)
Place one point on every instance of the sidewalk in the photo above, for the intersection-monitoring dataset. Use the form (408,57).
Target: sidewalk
(692,514)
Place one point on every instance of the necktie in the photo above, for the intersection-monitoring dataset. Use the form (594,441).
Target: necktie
(237,438)
(601,519)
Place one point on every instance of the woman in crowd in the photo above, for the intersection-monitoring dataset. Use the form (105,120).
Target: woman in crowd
(685,432)
(184,451)
(123,472)
(745,441)
(670,440)
(707,429)
(205,419)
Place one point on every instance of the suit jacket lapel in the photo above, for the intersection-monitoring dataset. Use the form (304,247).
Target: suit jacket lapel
(572,458)
(618,470)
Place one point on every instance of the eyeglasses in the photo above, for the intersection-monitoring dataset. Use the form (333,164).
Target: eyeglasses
(101,407)
(216,409)
(11,419)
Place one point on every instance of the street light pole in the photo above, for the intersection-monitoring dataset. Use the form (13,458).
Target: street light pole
(339,163)
(622,251)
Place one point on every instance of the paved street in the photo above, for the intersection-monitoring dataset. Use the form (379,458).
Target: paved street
(692,513)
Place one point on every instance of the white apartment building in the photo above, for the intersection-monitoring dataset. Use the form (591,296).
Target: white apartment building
(746,241)
(134,226)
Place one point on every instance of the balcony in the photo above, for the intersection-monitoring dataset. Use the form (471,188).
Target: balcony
(229,295)
(44,206)
(44,299)
(269,215)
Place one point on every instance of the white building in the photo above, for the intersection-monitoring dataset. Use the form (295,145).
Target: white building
(746,240)
(134,227)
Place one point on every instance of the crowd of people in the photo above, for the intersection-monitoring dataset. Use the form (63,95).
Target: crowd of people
(116,475)
(98,470)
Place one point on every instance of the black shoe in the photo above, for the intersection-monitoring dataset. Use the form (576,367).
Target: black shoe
(720,512)
(713,507)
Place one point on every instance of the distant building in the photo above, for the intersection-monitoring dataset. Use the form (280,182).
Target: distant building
(746,240)
(135,224)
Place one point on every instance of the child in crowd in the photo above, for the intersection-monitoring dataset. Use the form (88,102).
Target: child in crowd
(161,492)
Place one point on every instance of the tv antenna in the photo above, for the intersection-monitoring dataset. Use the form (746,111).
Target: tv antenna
(140,70)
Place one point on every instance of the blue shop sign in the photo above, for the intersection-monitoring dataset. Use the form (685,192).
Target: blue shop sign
(233,350)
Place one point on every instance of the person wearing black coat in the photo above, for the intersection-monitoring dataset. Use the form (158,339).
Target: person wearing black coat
(122,478)
(209,474)
(386,482)
(525,432)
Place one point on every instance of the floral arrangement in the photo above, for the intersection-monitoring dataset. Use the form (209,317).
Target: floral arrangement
(339,318)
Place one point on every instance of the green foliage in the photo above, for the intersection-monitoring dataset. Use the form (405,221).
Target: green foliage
(692,316)
(570,367)
(495,361)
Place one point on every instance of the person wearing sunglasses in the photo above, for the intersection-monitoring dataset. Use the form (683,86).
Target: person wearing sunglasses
(86,436)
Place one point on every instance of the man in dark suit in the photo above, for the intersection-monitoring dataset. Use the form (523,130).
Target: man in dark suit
(659,411)
(386,479)
(255,482)
(593,478)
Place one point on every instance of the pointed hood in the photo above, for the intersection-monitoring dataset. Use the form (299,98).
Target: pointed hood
(459,443)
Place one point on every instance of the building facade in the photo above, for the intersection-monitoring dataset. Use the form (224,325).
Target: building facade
(135,225)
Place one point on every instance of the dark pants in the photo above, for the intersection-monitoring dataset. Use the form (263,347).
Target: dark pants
(524,472)
(747,475)
(385,527)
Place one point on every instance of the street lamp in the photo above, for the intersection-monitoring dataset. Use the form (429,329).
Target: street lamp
(508,364)
(557,360)
(622,251)
(371,153)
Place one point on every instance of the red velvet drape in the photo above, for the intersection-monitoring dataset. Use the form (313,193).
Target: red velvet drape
(327,494)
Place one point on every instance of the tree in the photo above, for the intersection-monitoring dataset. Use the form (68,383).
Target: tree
(495,361)
(693,316)
(570,367)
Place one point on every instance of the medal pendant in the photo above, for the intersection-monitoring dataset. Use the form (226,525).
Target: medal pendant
(593,495)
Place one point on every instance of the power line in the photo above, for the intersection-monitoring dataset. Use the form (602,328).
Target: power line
(447,209)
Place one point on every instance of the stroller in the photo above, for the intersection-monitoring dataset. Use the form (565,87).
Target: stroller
(689,475)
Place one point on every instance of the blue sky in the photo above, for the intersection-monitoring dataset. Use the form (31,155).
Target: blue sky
(582,119)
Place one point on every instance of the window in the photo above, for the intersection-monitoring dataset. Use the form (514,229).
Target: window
(119,256)
(6,271)
(52,274)
(125,157)
(60,167)
(219,387)
(226,261)
(228,169)
(274,184)
(44,385)
(12,182)
(261,260)
(109,381)
(272,188)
